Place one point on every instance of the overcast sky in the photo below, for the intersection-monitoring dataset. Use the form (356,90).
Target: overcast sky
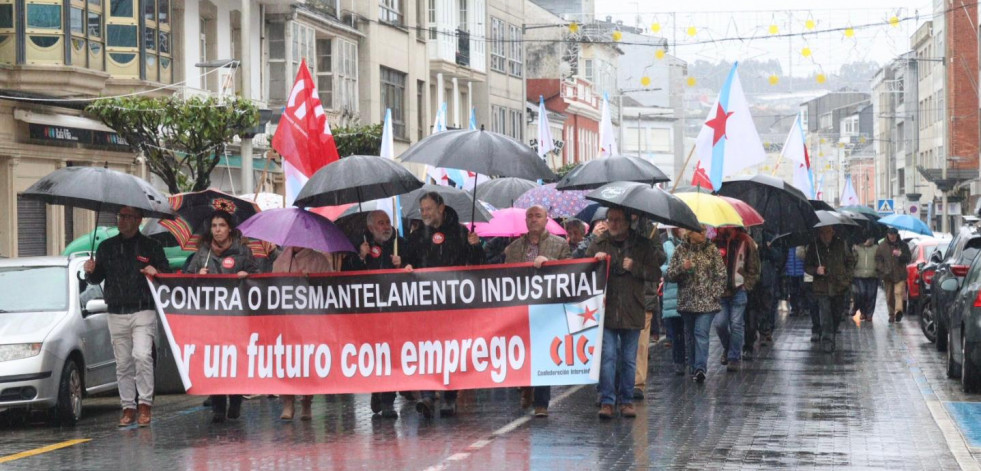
(754,21)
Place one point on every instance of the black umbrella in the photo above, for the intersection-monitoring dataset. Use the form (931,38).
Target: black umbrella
(784,208)
(599,172)
(819,205)
(461,201)
(869,224)
(356,179)
(655,203)
(99,189)
(194,209)
(501,192)
(479,151)
(833,218)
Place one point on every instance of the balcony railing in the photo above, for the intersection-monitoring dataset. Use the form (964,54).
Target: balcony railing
(462,48)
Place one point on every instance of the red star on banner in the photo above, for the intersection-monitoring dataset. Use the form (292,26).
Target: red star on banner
(588,315)
(718,123)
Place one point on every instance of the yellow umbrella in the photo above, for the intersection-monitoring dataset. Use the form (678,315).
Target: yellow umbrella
(711,210)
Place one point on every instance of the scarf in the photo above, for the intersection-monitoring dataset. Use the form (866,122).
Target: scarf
(218,249)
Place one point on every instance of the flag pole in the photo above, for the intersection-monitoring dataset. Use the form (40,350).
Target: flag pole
(683,168)
(395,233)
(776,166)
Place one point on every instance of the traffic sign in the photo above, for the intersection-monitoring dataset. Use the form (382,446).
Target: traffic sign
(885,206)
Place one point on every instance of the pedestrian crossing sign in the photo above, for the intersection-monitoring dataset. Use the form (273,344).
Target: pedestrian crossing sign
(885,207)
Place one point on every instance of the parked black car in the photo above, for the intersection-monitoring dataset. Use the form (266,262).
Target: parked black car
(928,321)
(957,259)
(964,332)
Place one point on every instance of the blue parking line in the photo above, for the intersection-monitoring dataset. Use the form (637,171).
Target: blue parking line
(968,418)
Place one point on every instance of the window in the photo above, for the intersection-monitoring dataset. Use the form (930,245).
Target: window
(76,20)
(337,74)
(95,25)
(515,57)
(499,119)
(149,10)
(393,98)
(420,109)
(432,19)
(517,125)
(461,23)
(587,68)
(43,16)
(121,8)
(498,59)
(121,36)
(303,46)
(277,62)
(390,11)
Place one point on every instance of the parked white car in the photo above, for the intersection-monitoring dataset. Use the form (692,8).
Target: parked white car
(54,342)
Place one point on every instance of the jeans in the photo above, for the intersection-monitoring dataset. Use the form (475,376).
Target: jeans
(132,344)
(729,324)
(794,291)
(831,308)
(865,291)
(541,396)
(697,326)
(619,353)
(676,332)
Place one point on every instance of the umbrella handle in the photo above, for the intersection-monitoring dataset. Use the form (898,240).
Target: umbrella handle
(95,232)
(473,203)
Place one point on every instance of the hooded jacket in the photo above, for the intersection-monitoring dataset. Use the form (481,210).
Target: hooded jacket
(839,264)
(238,257)
(625,288)
(443,246)
(890,267)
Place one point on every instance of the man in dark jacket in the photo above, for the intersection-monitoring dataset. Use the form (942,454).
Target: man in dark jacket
(124,262)
(440,242)
(378,252)
(632,263)
(891,258)
(832,265)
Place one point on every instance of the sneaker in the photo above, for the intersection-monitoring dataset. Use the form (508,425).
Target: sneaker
(638,393)
(288,410)
(724,361)
(606,411)
(234,410)
(628,411)
(145,416)
(815,338)
(425,407)
(679,369)
(527,394)
(699,376)
(733,365)
(128,418)
(899,316)
(389,413)
(541,412)
(448,408)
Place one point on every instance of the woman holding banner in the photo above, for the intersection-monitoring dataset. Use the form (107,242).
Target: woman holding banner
(221,251)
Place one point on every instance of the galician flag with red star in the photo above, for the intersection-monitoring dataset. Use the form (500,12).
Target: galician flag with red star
(584,315)
(728,141)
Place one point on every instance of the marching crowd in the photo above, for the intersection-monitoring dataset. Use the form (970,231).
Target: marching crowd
(729,280)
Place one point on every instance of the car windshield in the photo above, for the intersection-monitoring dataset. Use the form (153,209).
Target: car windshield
(31,289)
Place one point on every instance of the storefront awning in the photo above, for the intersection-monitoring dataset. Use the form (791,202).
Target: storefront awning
(258,163)
(61,120)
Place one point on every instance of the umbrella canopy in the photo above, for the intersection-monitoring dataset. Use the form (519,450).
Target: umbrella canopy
(712,210)
(871,213)
(833,218)
(502,192)
(820,205)
(656,203)
(750,216)
(907,223)
(295,227)
(870,225)
(560,204)
(354,179)
(193,209)
(510,222)
(457,199)
(596,173)
(479,151)
(99,189)
(783,207)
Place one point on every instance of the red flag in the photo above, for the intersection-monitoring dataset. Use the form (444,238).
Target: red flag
(303,137)
(700,178)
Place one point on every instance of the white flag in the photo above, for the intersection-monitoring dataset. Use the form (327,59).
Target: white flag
(584,315)
(795,151)
(848,196)
(608,143)
(545,141)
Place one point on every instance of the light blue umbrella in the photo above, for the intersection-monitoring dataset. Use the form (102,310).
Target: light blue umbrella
(906,223)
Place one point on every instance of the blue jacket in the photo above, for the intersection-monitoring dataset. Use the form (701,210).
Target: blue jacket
(795,265)
(669,298)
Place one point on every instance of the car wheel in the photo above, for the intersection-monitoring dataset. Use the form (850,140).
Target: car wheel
(953,369)
(941,335)
(68,410)
(928,324)
(970,371)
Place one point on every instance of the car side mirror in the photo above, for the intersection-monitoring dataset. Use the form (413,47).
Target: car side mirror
(949,285)
(94,306)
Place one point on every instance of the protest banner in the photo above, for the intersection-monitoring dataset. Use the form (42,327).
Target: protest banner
(389,330)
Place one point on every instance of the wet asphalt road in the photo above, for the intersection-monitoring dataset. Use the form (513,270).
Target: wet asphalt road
(881,401)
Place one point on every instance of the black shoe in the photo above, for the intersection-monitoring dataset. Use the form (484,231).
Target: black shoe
(748,355)
(389,413)
(679,370)
(425,407)
(448,409)
(207,402)
(638,393)
(218,417)
(234,410)
(899,316)
(815,338)
(376,405)
(725,361)
(828,346)
(699,376)
(733,366)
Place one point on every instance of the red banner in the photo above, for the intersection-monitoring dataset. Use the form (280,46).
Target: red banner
(459,328)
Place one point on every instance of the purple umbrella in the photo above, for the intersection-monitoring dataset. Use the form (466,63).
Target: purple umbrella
(296,227)
(560,204)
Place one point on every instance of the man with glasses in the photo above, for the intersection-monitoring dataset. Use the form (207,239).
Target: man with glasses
(124,262)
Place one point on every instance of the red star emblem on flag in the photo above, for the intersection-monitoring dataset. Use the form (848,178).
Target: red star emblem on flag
(718,124)
(588,315)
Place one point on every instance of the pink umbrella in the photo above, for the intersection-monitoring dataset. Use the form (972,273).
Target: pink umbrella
(510,222)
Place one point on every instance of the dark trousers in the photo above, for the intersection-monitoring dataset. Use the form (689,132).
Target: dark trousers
(809,305)
(832,309)
(675,327)
(219,403)
(448,396)
(541,395)
(386,399)
(864,293)
(793,291)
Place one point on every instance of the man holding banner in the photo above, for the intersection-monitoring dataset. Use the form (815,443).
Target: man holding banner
(379,252)
(441,242)
(537,246)
(632,262)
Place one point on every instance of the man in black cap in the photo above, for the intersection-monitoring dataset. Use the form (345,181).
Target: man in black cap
(890,264)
